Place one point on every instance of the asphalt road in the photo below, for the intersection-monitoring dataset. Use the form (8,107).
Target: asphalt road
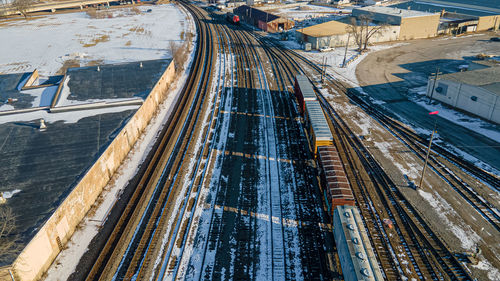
(404,68)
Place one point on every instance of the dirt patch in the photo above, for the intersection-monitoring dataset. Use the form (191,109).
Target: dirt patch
(68,64)
(96,40)
(98,14)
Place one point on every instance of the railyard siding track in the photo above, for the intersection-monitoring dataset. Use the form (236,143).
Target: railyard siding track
(172,134)
(445,263)
(235,231)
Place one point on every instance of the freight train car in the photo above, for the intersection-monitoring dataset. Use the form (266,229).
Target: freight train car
(356,255)
(303,91)
(333,180)
(232,18)
(318,130)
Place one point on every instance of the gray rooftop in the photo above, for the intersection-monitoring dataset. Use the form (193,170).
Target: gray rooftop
(396,12)
(488,78)
(318,121)
(41,167)
(481,7)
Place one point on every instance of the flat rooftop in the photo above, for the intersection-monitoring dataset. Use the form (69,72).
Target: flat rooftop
(393,11)
(479,8)
(325,29)
(38,169)
(488,78)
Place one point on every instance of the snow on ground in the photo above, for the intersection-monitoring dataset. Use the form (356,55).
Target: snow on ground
(493,273)
(464,233)
(301,13)
(45,43)
(348,74)
(68,259)
(474,123)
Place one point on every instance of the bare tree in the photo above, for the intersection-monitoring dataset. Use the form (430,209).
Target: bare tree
(8,239)
(23,6)
(363,29)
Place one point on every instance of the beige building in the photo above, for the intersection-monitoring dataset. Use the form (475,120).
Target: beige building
(334,34)
(413,24)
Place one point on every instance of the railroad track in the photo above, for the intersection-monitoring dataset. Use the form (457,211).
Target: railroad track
(236,217)
(135,235)
(442,264)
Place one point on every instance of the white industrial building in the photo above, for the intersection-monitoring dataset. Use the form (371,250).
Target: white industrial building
(474,91)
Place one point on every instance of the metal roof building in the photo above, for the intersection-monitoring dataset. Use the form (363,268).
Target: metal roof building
(356,255)
(413,24)
(474,91)
(263,20)
(459,16)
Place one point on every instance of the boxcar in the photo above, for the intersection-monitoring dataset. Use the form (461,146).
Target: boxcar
(303,91)
(356,255)
(317,127)
(333,180)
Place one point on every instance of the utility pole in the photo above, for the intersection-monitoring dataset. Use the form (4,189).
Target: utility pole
(323,69)
(345,53)
(434,84)
(427,155)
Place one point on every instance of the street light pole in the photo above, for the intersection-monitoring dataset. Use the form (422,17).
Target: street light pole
(427,155)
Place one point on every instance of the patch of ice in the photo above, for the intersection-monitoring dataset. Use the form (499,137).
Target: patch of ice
(43,96)
(6,107)
(9,194)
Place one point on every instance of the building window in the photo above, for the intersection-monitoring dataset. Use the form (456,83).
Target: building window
(474,98)
(442,89)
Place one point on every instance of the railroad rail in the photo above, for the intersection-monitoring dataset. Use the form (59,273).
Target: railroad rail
(423,240)
(251,78)
(145,211)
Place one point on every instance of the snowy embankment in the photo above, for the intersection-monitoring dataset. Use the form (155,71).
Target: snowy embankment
(68,259)
(125,35)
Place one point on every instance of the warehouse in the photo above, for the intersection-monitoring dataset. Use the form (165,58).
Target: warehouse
(264,20)
(474,91)
(356,255)
(334,34)
(413,24)
(457,17)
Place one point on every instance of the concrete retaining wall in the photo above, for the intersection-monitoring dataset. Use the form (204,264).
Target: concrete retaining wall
(36,258)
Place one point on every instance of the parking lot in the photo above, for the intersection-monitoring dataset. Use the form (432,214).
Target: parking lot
(399,84)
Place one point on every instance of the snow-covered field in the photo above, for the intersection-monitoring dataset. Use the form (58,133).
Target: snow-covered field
(309,11)
(45,43)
